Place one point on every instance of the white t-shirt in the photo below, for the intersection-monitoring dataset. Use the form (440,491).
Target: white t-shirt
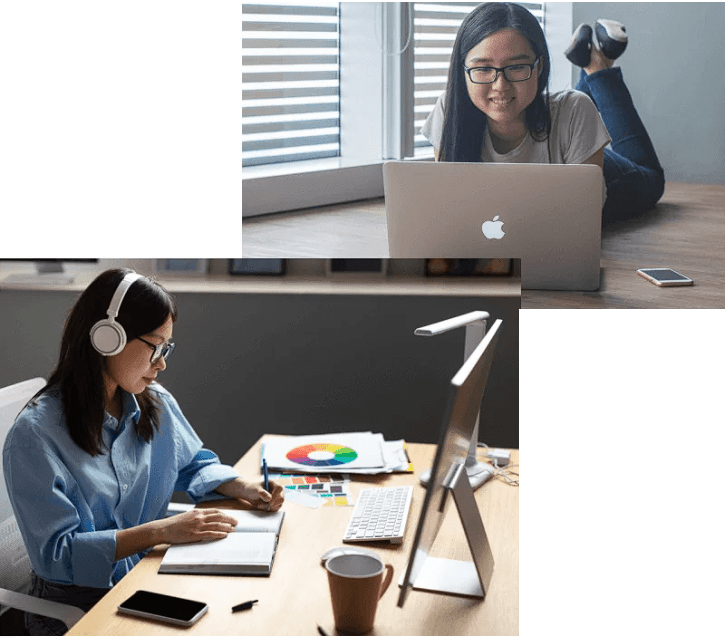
(577,132)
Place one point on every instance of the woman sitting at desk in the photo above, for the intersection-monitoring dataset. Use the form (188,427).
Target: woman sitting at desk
(497,108)
(92,461)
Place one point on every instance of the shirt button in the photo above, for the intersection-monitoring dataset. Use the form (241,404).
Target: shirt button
(125,487)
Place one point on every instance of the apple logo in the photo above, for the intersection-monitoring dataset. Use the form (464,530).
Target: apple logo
(492,229)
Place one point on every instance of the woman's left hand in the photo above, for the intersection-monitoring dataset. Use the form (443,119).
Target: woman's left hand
(255,494)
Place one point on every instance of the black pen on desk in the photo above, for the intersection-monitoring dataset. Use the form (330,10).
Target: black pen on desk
(266,474)
(243,606)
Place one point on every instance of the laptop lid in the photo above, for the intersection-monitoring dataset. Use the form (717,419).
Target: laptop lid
(549,215)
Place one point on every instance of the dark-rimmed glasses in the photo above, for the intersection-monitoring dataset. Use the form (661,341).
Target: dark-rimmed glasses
(489,74)
(162,350)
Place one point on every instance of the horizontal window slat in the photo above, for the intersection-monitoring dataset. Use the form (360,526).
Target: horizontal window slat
(286,118)
(304,70)
(252,110)
(290,94)
(291,56)
(258,39)
(295,127)
(274,156)
(290,135)
(308,102)
(292,8)
(295,150)
(309,87)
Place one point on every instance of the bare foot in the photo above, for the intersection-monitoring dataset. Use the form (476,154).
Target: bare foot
(598,61)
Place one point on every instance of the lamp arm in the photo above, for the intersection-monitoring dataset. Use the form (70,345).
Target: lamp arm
(475,324)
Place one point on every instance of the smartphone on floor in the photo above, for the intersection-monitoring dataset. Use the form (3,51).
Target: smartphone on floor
(169,609)
(664,277)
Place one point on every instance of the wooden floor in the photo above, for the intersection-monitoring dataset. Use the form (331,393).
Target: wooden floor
(356,229)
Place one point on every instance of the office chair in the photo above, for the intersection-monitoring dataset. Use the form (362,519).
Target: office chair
(14,562)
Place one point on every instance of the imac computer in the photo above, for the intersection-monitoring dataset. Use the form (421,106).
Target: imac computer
(50,272)
(448,480)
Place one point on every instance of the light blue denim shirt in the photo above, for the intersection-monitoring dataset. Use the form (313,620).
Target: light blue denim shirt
(70,504)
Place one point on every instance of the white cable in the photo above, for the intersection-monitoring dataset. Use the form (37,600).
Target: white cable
(504,473)
(378,37)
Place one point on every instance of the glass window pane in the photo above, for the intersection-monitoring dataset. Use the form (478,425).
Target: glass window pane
(290,81)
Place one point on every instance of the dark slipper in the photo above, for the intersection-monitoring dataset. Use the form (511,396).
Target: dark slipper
(580,50)
(612,38)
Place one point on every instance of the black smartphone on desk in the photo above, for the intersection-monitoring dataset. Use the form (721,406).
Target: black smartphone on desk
(170,609)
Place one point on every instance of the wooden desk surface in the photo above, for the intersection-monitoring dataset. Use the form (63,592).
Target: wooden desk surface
(296,598)
(686,231)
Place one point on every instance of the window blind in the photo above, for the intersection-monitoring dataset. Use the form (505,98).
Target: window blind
(290,82)
(435,29)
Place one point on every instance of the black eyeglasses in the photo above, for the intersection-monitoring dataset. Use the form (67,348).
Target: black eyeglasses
(489,74)
(162,350)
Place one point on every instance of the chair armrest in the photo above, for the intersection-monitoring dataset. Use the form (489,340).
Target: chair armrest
(66,613)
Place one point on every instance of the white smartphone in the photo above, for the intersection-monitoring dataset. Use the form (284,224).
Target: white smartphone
(170,609)
(664,277)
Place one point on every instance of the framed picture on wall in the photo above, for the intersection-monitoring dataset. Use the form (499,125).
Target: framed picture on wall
(183,267)
(257,266)
(468,267)
(357,267)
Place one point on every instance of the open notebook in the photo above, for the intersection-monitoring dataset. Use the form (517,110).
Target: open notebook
(248,550)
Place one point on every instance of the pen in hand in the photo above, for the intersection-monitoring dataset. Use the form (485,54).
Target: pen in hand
(266,474)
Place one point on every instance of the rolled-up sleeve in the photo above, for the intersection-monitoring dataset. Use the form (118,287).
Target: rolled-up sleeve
(200,470)
(61,541)
(203,475)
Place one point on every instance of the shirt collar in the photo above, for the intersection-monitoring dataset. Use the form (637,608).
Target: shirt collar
(131,409)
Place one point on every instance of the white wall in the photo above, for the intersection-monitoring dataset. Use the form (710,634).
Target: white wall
(673,69)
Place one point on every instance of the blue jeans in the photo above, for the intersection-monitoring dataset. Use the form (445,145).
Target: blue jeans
(633,175)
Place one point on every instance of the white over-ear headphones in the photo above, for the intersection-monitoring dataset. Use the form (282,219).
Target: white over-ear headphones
(107,336)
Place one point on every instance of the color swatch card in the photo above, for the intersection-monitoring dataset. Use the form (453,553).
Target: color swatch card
(316,483)
(357,451)
(315,491)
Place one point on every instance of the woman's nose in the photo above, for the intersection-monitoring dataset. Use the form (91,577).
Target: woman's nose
(500,82)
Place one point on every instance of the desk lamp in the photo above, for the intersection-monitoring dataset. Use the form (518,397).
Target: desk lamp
(475,324)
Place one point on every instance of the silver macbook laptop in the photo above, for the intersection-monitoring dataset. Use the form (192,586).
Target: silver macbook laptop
(549,215)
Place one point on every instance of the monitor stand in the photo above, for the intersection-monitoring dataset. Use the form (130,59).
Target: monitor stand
(461,578)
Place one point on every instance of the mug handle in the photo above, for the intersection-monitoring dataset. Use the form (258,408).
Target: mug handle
(387,580)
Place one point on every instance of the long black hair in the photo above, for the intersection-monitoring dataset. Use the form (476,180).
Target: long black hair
(465,124)
(78,375)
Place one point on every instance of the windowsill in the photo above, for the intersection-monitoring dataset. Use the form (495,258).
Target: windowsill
(277,188)
(314,166)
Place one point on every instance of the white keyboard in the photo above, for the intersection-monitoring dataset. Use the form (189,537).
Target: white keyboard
(380,514)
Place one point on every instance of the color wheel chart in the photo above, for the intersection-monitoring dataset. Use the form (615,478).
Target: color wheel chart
(322,455)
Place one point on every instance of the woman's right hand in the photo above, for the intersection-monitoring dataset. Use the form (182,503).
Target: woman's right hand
(197,525)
